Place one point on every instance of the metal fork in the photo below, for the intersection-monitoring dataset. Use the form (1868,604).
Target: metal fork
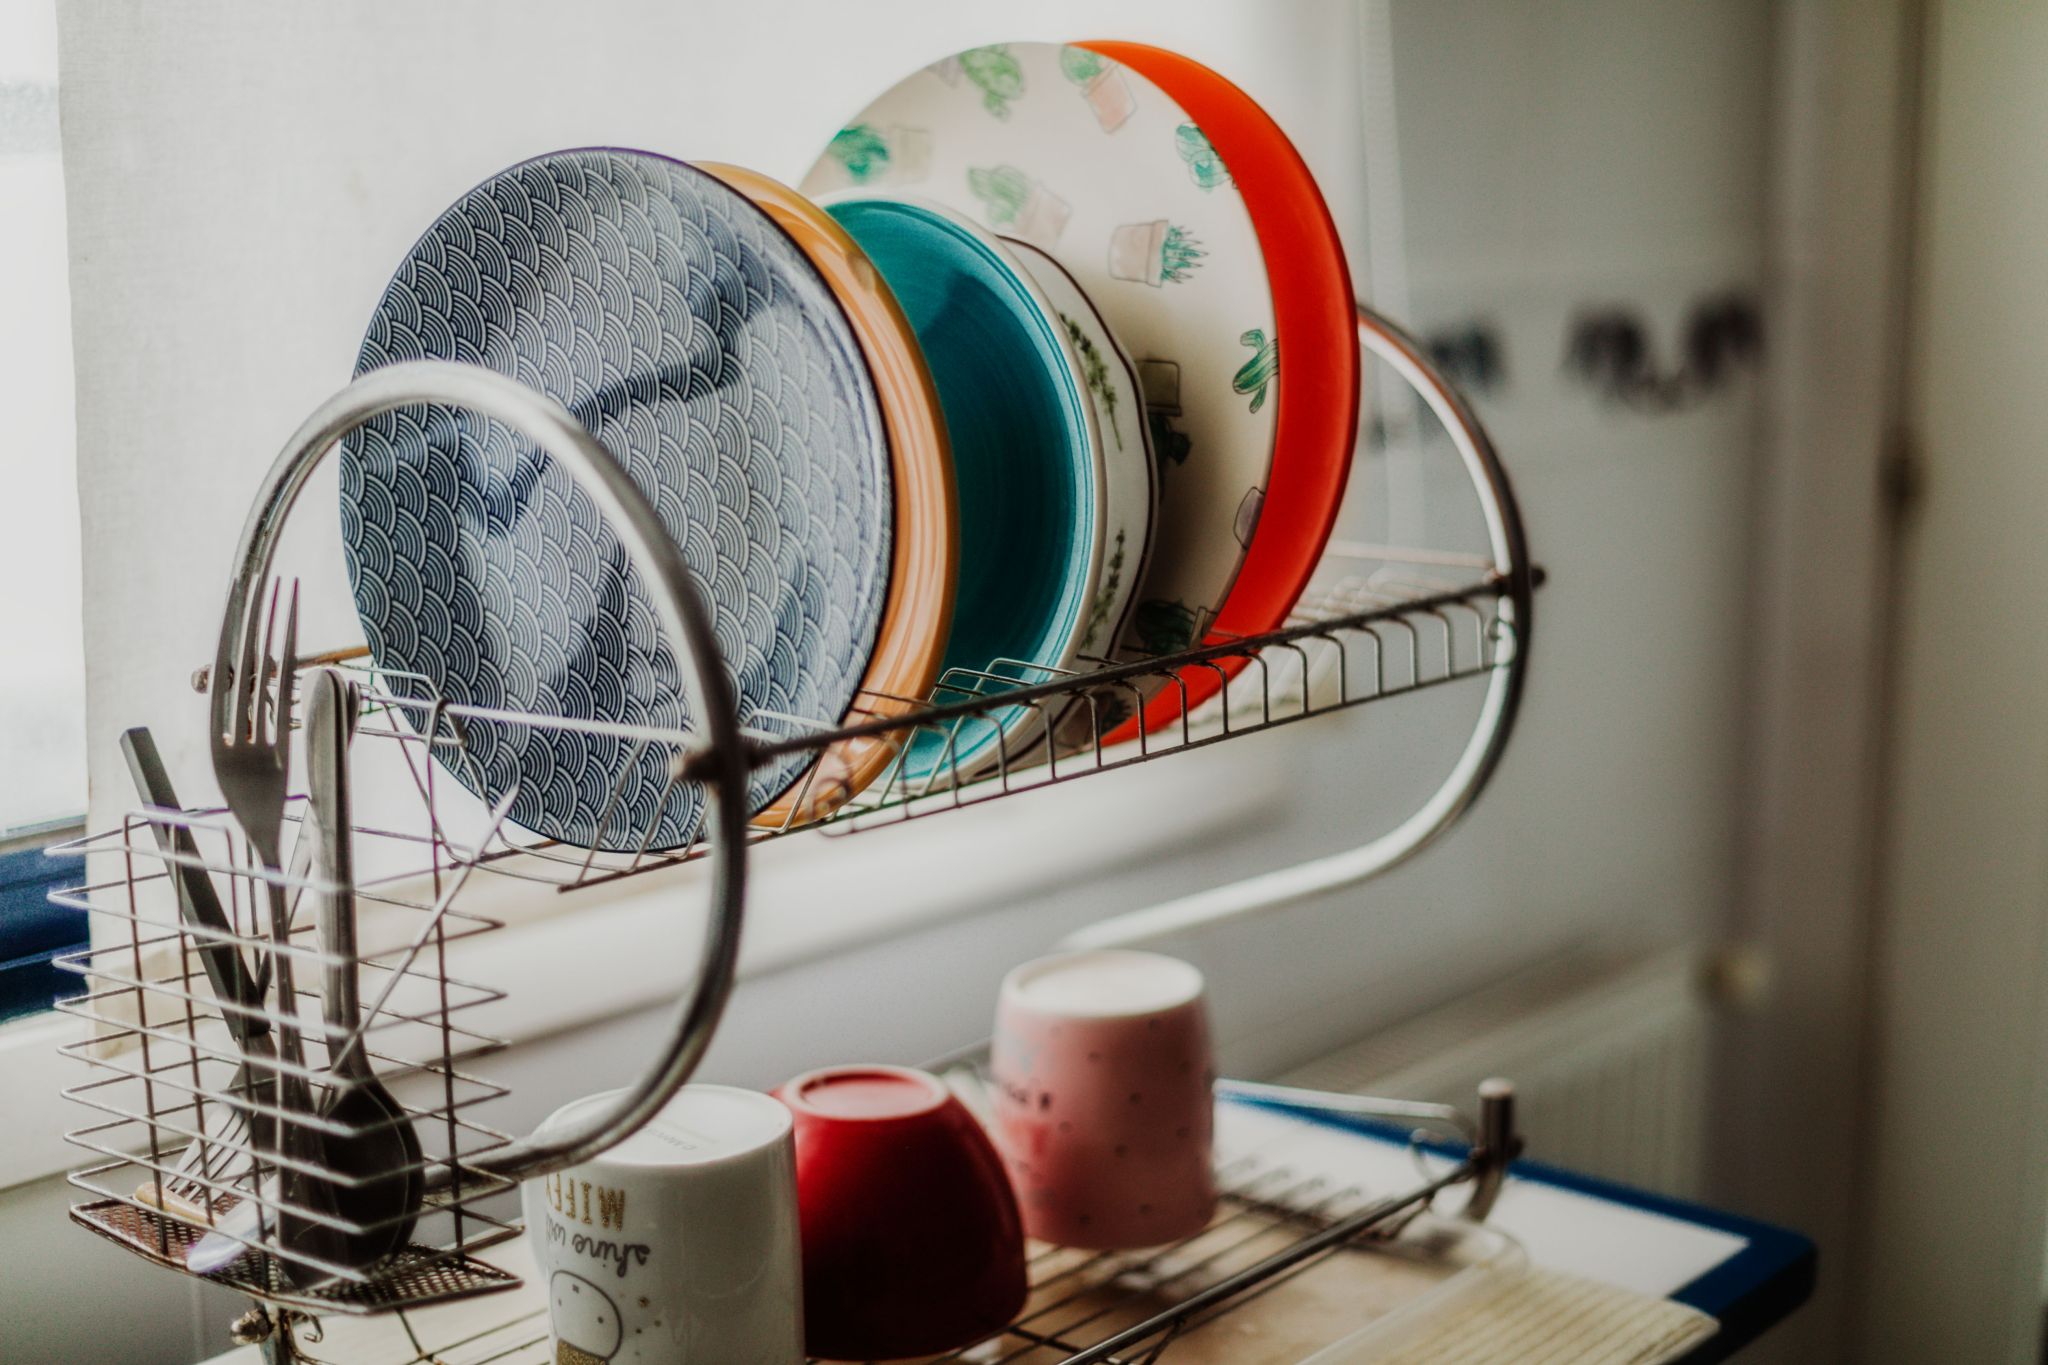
(252,763)
(193,1185)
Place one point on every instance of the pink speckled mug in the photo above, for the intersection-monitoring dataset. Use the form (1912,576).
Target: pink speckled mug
(1103,1100)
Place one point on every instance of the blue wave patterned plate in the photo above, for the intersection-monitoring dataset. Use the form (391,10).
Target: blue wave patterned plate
(699,344)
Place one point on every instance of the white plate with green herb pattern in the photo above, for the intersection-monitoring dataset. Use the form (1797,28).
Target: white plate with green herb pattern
(1096,166)
(1130,481)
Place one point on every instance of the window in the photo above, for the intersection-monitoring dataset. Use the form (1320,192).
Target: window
(42,673)
(33,931)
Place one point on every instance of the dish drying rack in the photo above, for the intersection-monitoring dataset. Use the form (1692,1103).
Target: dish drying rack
(172,1156)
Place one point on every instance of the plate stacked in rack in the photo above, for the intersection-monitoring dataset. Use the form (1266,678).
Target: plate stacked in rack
(995,400)
(701,346)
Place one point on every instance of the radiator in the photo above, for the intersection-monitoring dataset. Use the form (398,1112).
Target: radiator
(1609,1060)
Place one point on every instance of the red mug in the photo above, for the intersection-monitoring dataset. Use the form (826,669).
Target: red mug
(911,1240)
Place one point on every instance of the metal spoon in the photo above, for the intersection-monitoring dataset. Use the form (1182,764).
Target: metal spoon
(377,1165)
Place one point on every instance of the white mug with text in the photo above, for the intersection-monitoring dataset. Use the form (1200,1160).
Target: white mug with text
(679,1245)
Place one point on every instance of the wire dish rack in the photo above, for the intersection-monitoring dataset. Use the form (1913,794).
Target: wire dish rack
(174,1161)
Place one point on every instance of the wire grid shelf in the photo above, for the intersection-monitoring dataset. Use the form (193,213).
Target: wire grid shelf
(1378,634)
(1277,1224)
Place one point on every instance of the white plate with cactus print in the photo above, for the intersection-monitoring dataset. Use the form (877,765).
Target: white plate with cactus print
(1095,165)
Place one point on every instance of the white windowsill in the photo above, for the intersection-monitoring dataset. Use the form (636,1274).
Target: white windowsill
(32,1074)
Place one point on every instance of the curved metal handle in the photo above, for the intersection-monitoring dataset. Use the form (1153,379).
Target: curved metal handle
(720,764)
(1497,712)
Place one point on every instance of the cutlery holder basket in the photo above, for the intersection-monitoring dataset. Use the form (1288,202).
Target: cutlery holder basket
(170,1113)
(174,1148)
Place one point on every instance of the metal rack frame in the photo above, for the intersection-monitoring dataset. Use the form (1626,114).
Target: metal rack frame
(1381,624)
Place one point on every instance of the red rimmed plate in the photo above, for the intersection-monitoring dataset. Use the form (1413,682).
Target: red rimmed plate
(1317,389)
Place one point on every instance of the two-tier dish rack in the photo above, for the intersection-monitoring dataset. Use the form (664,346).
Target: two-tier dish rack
(172,1158)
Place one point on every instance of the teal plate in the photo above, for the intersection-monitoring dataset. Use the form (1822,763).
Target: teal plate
(1017,416)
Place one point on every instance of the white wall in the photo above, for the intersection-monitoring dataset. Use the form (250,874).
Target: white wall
(243,175)
(1789,1096)
(1958,1190)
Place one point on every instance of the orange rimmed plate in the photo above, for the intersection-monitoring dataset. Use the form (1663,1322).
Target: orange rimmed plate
(918,612)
